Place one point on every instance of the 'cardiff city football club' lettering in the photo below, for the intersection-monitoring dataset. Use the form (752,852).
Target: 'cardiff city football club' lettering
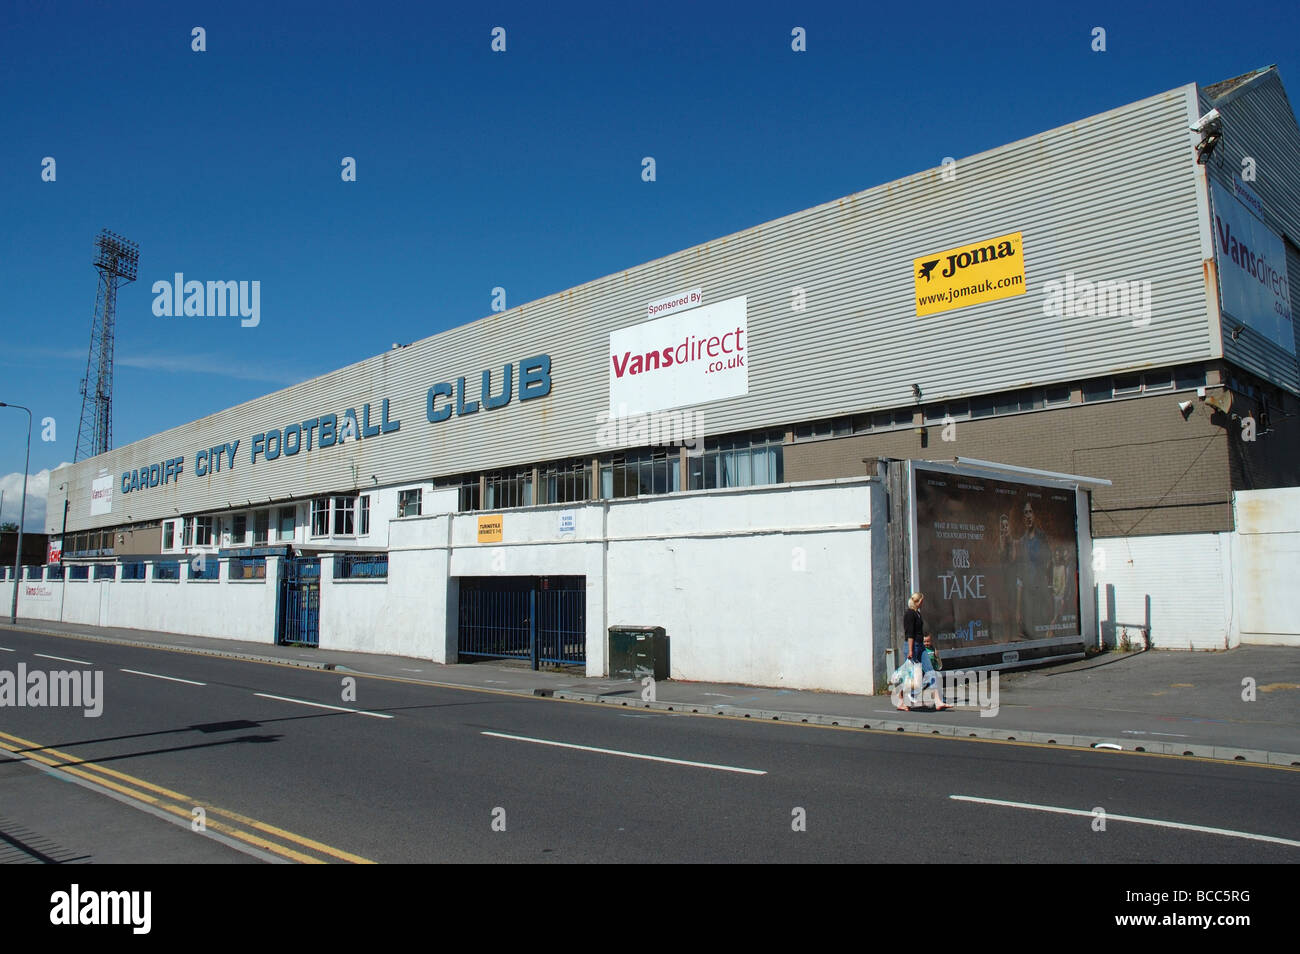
(527,380)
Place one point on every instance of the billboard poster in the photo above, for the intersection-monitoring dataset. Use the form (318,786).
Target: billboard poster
(997,560)
(689,357)
(1253,284)
(54,551)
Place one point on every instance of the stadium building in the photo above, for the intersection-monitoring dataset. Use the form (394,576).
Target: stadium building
(1053,385)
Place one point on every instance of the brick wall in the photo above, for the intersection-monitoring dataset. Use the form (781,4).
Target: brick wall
(1169,475)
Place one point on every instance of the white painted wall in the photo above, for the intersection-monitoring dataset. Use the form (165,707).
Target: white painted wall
(1266,566)
(770,587)
(1186,575)
(767,586)
(227,609)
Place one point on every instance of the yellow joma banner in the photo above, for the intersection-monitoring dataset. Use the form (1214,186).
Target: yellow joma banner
(970,274)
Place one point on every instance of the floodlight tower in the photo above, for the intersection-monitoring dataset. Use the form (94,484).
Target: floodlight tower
(116,259)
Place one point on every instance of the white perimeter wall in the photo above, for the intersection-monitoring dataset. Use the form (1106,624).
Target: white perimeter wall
(1210,590)
(761,585)
(767,586)
(242,609)
(1266,566)
(1187,578)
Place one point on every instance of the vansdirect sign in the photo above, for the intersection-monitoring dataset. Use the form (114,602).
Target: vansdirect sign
(1252,270)
(685,358)
(101,495)
(969,274)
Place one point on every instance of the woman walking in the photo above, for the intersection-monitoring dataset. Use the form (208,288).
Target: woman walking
(914,638)
(913,634)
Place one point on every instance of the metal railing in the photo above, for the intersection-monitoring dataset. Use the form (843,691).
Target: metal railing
(361,566)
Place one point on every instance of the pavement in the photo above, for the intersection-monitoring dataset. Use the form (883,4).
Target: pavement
(1238,705)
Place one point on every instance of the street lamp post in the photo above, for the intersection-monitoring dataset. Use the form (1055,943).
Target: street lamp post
(22,512)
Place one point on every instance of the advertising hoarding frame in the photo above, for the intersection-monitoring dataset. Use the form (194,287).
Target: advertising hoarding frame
(1082,517)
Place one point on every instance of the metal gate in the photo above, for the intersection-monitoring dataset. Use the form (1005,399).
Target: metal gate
(542,619)
(298,608)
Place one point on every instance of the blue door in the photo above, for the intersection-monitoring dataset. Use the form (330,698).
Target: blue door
(298,610)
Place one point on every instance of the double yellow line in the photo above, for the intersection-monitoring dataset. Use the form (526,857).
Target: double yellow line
(259,834)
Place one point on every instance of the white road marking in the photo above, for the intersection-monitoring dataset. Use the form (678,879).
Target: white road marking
(154,675)
(5,649)
(79,662)
(1172,735)
(322,705)
(1130,818)
(412,670)
(627,755)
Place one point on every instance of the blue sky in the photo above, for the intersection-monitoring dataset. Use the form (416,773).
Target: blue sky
(478,169)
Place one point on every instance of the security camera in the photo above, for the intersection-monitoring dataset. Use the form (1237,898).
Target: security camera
(1206,123)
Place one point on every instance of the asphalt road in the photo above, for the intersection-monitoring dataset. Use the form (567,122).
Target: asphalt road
(412,773)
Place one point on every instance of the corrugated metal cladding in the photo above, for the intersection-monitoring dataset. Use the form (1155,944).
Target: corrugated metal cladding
(1258,122)
(1107,198)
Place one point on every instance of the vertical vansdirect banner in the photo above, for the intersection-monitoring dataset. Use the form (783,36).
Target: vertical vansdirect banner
(997,560)
(1253,284)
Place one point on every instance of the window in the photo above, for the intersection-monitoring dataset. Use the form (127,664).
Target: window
(509,490)
(565,482)
(1126,384)
(363,522)
(345,511)
(133,570)
(408,503)
(188,533)
(641,474)
(286,523)
(1189,376)
(320,517)
(745,461)
(839,427)
(203,531)
(1158,380)
(169,535)
(238,529)
(261,526)
(982,406)
(1058,394)
(1098,389)
(956,410)
(885,419)
(468,491)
